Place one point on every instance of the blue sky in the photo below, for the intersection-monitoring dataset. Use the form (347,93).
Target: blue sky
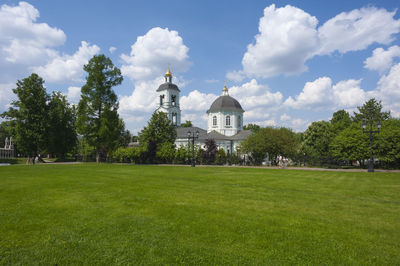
(288,62)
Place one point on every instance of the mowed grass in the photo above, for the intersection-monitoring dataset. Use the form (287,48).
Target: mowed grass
(125,214)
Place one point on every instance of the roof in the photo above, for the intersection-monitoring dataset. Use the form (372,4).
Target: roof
(181,133)
(168,86)
(225,103)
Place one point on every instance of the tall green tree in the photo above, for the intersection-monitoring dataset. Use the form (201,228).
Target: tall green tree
(29,115)
(98,119)
(340,120)
(159,130)
(62,132)
(317,139)
(371,112)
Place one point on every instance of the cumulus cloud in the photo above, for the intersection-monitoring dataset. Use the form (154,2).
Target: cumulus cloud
(389,89)
(286,40)
(357,29)
(6,96)
(381,59)
(321,94)
(288,37)
(152,52)
(73,94)
(252,95)
(315,94)
(112,49)
(24,41)
(68,68)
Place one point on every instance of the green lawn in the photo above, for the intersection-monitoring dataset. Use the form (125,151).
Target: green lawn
(123,214)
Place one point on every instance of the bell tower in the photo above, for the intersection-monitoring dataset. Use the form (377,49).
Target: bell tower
(168,97)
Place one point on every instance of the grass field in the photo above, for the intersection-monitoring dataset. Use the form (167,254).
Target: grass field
(123,214)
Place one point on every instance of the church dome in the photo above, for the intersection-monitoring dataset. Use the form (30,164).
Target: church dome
(225,103)
(168,86)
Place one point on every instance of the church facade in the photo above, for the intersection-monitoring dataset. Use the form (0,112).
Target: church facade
(225,118)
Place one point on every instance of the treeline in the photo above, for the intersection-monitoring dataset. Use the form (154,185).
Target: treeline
(335,143)
(47,124)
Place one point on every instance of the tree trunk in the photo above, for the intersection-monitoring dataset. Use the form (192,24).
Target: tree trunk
(97,156)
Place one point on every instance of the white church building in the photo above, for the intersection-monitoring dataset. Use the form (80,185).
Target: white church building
(225,118)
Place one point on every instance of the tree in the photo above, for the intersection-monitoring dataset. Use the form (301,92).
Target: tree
(210,152)
(388,143)
(340,120)
(188,123)
(29,115)
(159,130)
(350,145)
(316,141)
(62,132)
(252,127)
(98,119)
(371,112)
(275,141)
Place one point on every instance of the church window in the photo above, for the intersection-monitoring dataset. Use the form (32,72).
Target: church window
(161,100)
(239,121)
(173,100)
(214,120)
(174,120)
(228,120)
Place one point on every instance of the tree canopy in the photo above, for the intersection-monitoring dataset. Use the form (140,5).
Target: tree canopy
(29,114)
(98,119)
(158,131)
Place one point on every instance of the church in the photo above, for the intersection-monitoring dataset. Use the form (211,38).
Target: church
(225,118)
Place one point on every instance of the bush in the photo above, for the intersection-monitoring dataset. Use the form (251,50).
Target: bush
(220,157)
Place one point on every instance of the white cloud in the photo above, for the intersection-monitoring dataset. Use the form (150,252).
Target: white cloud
(382,60)
(389,90)
(24,41)
(74,94)
(112,49)
(6,96)
(68,68)
(357,29)
(152,52)
(252,95)
(320,94)
(236,75)
(197,101)
(348,94)
(299,124)
(287,38)
(314,95)
(285,117)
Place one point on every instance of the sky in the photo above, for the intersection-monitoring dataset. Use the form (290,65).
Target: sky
(288,63)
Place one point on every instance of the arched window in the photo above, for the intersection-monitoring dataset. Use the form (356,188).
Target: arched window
(161,100)
(214,120)
(239,121)
(174,119)
(173,100)
(228,120)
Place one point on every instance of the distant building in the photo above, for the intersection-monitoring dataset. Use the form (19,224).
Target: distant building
(225,118)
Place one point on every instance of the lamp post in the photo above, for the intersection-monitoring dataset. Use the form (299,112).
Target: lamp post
(192,136)
(371,134)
